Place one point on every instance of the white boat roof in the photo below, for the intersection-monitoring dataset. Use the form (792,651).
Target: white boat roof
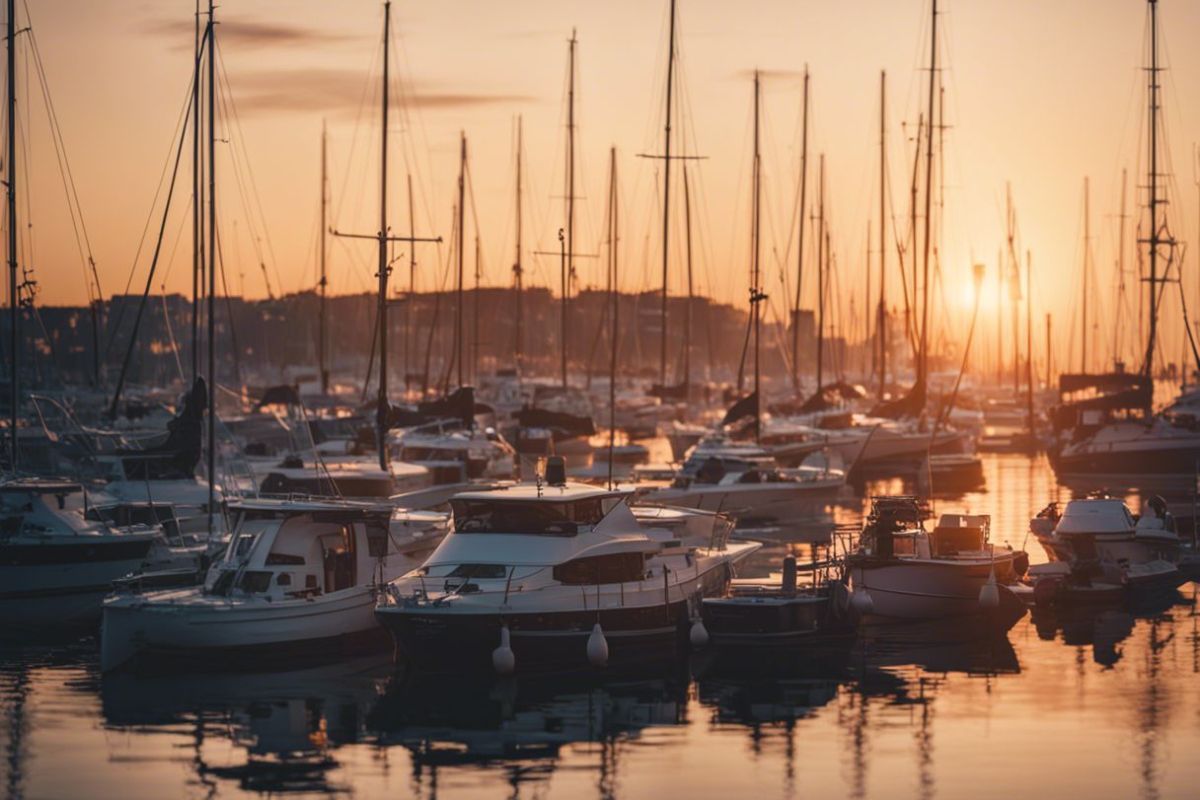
(544,493)
(1095,516)
(304,505)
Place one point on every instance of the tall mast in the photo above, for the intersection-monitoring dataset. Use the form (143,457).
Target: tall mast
(1029,338)
(569,271)
(1121,266)
(687,318)
(1014,285)
(462,247)
(614,298)
(922,364)
(197,202)
(800,237)
(410,308)
(382,411)
(517,268)
(14,333)
(1154,241)
(822,241)
(1087,268)
(881,321)
(212,269)
(475,315)
(756,275)
(321,328)
(666,234)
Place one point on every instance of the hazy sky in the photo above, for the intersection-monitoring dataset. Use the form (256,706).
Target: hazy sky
(1038,92)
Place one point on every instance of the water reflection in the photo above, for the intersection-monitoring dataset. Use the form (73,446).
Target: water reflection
(520,727)
(1098,701)
(285,727)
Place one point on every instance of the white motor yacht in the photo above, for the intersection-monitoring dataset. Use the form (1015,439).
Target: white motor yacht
(56,565)
(483,452)
(298,579)
(1105,529)
(548,576)
(743,480)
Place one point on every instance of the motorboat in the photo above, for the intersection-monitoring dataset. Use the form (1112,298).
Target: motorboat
(551,575)
(743,480)
(1104,529)
(779,613)
(901,571)
(483,452)
(56,564)
(298,579)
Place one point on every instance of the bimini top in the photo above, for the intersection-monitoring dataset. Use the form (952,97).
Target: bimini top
(1095,516)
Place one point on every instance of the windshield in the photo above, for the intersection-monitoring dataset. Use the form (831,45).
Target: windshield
(543,518)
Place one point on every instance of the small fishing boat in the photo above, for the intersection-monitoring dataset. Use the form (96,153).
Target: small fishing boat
(756,613)
(901,571)
(551,576)
(298,579)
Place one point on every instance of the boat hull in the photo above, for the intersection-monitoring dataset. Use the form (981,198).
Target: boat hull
(164,629)
(63,583)
(901,590)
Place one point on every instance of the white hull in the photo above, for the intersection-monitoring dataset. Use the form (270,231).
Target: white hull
(196,623)
(913,591)
(760,501)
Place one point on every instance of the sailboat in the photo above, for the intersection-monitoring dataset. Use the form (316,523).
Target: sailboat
(1116,434)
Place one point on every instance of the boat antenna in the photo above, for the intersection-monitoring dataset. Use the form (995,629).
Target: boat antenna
(11,182)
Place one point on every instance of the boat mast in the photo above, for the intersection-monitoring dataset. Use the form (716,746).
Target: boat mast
(687,318)
(518,271)
(666,234)
(800,237)
(822,241)
(462,247)
(1154,241)
(1087,268)
(569,267)
(382,411)
(756,294)
(1029,338)
(197,202)
(614,298)
(1014,286)
(922,365)
(881,319)
(410,308)
(212,270)
(321,329)
(14,333)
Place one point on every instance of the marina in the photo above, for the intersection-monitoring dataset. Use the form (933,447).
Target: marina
(655,478)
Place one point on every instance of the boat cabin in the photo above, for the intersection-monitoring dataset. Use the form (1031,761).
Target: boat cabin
(284,549)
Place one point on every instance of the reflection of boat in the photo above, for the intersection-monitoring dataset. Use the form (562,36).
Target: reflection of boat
(297,580)
(557,576)
(952,571)
(285,727)
(56,565)
(948,645)
(446,722)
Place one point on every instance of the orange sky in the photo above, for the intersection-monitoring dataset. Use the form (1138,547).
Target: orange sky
(1039,94)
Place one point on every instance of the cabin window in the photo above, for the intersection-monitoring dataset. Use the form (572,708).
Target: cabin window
(255,581)
(543,518)
(283,579)
(282,559)
(479,571)
(377,540)
(592,570)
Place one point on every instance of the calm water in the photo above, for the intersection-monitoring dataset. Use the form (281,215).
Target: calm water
(1101,705)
